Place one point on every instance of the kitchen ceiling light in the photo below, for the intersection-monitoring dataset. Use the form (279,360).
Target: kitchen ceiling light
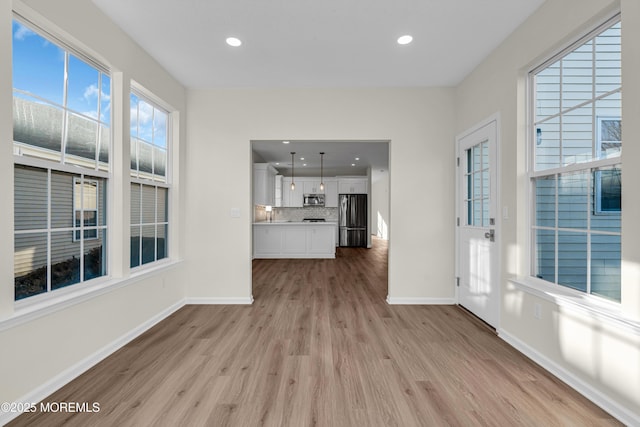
(233,41)
(353,164)
(321,171)
(285,142)
(293,184)
(406,39)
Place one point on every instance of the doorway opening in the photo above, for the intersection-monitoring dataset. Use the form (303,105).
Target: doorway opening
(285,174)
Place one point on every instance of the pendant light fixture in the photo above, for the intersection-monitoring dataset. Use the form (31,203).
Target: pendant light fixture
(321,171)
(293,184)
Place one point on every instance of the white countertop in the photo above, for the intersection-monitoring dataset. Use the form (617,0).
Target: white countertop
(332,223)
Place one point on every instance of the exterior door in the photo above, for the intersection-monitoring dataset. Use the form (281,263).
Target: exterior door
(477,247)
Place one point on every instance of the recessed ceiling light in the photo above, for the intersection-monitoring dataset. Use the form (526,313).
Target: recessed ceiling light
(304,164)
(357,158)
(406,39)
(353,164)
(285,142)
(301,158)
(277,163)
(232,41)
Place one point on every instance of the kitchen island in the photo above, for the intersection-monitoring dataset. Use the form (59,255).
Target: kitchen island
(294,239)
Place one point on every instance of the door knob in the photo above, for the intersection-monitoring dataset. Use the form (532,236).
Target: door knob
(491,235)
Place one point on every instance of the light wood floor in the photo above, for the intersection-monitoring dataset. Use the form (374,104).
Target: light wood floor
(320,346)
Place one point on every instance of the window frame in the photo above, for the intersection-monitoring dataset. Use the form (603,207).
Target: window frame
(590,167)
(149,180)
(81,169)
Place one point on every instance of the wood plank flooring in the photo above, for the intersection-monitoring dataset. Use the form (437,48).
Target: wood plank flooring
(321,347)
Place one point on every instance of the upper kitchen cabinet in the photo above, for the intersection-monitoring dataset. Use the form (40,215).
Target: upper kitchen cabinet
(264,184)
(312,186)
(352,185)
(292,198)
(330,192)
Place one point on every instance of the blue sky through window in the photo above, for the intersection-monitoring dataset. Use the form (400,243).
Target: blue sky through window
(38,69)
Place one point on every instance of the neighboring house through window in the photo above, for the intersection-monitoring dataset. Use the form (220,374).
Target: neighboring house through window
(149,180)
(61,139)
(575,169)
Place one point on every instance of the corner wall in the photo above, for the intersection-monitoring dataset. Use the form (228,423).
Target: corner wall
(598,356)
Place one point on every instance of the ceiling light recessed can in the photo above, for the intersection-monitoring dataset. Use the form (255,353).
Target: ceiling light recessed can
(285,142)
(301,158)
(233,41)
(406,39)
(357,158)
(353,164)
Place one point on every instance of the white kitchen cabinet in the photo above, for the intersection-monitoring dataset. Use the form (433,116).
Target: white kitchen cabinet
(352,185)
(278,191)
(330,192)
(264,184)
(312,186)
(319,239)
(294,240)
(267,240)
(292,199)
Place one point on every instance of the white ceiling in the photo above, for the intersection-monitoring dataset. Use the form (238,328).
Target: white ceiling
(338,159)
(319,44)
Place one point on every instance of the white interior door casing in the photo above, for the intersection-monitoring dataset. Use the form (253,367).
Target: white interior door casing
(477,246)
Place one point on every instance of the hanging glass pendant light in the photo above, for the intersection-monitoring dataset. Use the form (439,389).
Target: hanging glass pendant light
(321,171)
(293,184)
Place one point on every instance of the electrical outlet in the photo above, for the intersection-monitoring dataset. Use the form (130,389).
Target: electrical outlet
(537,311)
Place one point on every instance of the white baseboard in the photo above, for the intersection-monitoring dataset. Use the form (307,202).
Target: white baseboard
(219,301)
(420,301)
(84,365)
(623,414)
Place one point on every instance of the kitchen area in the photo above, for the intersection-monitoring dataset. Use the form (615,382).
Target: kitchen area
(303,209)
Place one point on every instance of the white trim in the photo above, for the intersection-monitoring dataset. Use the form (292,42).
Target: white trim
(590,305)
(43,163)
(622,413)
(419,301)
(27,311)
(74,371)
(219,301)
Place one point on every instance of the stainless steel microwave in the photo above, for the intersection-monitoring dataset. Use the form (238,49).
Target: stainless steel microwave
(313,200)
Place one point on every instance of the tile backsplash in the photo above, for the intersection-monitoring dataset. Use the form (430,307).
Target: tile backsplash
(296,214)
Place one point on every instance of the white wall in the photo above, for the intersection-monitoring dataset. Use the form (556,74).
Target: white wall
(600,356)
(417,121)
(380,203)
(37,352)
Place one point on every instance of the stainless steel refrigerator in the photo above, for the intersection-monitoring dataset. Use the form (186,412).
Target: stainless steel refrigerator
(353,220)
